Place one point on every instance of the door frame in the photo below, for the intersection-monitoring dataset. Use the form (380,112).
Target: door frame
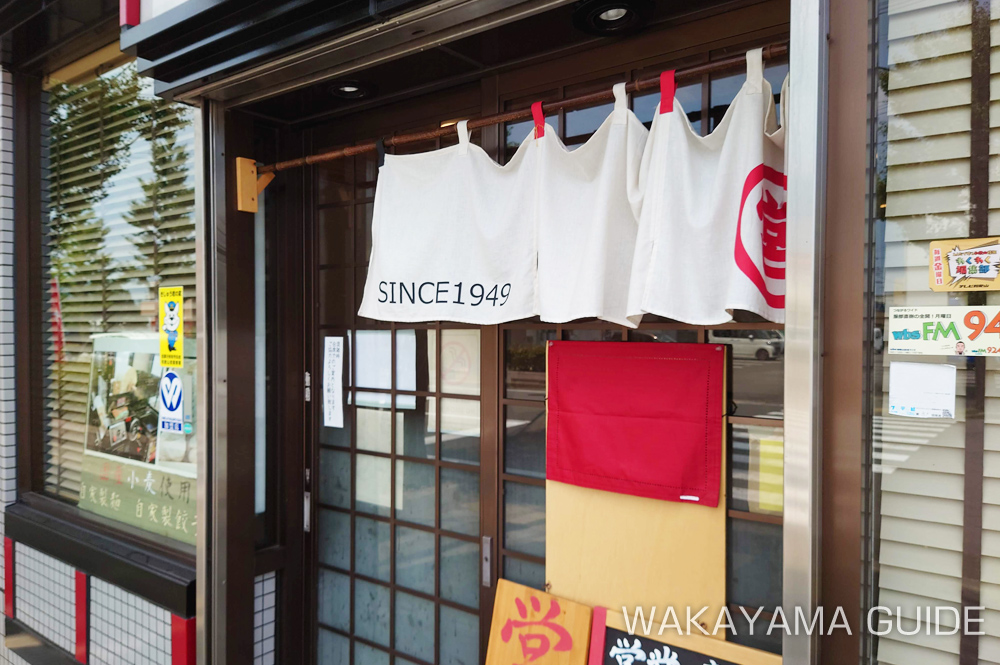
(802,361)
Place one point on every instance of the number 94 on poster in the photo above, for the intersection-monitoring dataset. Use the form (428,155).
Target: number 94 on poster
(944,331)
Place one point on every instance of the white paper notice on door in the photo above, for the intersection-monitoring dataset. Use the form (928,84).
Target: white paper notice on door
(922,390)
(333,382)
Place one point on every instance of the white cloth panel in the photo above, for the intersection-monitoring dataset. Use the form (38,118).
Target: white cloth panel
(665,222)
(453,237)
(712,214)
(586,227)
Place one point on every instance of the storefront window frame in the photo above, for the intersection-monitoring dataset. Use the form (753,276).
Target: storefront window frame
(29,329)
(805,162)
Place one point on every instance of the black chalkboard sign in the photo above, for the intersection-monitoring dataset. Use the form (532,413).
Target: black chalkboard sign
(623,649)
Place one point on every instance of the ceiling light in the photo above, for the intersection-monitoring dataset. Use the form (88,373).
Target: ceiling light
(351,89)
(611,17)
(615,14)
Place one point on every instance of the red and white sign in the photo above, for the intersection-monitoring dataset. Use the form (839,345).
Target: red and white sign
(760,233)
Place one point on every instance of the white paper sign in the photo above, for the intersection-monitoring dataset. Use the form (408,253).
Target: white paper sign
(922,390)
(333,382)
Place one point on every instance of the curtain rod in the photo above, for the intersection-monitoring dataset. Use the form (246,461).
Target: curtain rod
(771,52)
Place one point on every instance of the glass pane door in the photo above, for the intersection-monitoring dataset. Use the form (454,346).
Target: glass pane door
(397,488)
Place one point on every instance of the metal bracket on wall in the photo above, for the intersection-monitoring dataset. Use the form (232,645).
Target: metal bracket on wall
(248,185)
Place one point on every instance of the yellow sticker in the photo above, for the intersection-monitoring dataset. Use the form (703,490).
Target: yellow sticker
(965,264)
(172,326)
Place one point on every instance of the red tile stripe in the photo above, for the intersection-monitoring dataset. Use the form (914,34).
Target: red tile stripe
(8,577)
(82,615)
(128,12)
(182,640)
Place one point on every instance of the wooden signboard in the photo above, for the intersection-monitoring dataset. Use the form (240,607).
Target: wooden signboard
(531,626)
(966,264)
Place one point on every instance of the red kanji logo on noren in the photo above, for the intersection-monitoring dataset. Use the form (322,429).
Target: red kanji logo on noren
(760,233)
(534,645)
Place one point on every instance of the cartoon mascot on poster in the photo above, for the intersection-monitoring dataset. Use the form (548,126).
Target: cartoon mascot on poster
(171,323)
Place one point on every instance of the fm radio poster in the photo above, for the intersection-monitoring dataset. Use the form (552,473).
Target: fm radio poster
(944,331)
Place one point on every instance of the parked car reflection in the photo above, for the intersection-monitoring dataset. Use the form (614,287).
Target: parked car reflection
(758,344)
(758,370)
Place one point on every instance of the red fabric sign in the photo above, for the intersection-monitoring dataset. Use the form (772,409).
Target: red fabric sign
(637,418)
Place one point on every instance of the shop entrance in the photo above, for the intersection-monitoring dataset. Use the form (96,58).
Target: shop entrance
(434,487)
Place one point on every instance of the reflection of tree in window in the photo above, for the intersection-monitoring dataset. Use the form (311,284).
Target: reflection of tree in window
(119,205)
(161,216)
(90,130)
(88,144)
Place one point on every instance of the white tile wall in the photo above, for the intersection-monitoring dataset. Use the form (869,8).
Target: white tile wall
(45,596)
(265,620)
(7,455)
(126,629)
(6,326)
(7,470)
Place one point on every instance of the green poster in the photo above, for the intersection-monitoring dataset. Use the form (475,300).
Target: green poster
(141,495)
(140,455)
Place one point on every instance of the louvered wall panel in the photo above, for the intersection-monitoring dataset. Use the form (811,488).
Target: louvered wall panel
(922,463)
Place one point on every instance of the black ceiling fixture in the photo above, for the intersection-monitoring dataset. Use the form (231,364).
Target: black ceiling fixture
(350,89)
(611,17)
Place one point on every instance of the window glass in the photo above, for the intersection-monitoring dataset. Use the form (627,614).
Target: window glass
(524,572)
(460,352)
(723,90)
(758,370)
(650,335)
(689,97)
(514,134)
(460,430)
(398,485)
(524,358)
(587,335)
(120,362)
(522,498)
(524,528)
(931,535)
(524,441)
(583,122)
(757,470)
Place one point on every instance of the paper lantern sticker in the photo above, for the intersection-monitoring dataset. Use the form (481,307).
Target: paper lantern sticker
(531,626)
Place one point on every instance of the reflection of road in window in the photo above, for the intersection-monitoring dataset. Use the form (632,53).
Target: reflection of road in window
(758,370)
(524,360)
